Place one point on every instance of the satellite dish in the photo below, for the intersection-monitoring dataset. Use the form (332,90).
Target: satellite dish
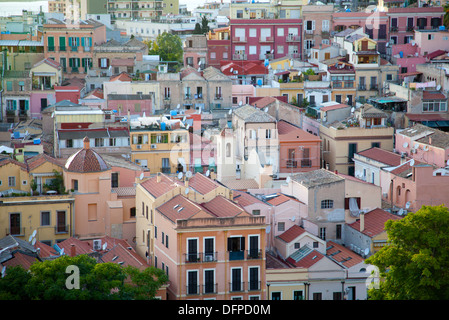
(30,238)
(293,218)
(232,69)
(366,251)
(177,107)
(425,148)
(187,191)
(207,173)
(105,246)
(180,175)
(352,109)
(33,242)
(189,174)
(199,62)
(268,229)
(407,205)
(438,87)
(188,126)
(184,119)
(400,212)
(412,162)
(405,145)
(288,180)
(61,252)
(240,103)
(447,162)
(141,176)
(266,109)
(34,233)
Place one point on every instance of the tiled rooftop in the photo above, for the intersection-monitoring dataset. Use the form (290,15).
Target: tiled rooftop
(374,222)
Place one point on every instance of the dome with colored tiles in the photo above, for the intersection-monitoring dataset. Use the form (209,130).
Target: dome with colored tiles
(86,160)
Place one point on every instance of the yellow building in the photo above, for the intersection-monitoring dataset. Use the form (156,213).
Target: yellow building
(160,144)
(49,215)
(364,129)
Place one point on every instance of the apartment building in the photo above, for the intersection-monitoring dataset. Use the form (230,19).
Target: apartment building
(195,52)
(404,21)
(363,129)
(71,44)
(317,21)
(160,144)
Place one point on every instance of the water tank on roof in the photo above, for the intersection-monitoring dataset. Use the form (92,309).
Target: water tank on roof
(401,54)
(163,126)
(173,113)
(442,28)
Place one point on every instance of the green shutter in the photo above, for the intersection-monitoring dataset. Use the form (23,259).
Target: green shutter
(27,105)
(8,85)
(51,44)
(82,42)
(14,104)
(90,42)
(70,62)
(62,43)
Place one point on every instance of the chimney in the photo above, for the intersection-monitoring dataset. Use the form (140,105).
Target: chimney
(362,221)
(430,140)
(73,250)
(186,183)
(158,177)
(86,143)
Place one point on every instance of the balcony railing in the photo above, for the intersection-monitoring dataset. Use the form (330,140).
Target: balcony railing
(373,87)
(292,164)
(362,87)
(62,229)
(74,49)
(254,285)
(15,231)
(165,170)
(239,39)
(51,48)
(237,286)
(266,39)
(254,254)
(210,288)
(192,289)
(293,38)
(239,56)
(306,163)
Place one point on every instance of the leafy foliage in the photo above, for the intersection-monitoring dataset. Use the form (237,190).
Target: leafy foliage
(415,264)
(168,46)
(97,281)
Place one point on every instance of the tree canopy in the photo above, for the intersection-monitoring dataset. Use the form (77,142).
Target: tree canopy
(50,280)
(168,46)
(415,263)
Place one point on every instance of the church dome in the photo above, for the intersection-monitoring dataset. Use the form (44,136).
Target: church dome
(86,160)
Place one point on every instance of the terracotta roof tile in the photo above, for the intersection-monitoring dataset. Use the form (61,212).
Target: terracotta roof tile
(382,156)
(374,222)
(86,160)
(288,131)
(343,255)
(156,188)
(223,207)
(245,199)
(179,207)
(202,184)
(280,199)
(305,257)
(291,234)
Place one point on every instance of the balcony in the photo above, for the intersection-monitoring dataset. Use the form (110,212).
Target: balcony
(51,48)
(63,49)
(192,290)
(239,39)
(293,38)
(237,286)
(254,285)
(239,56)
(73,49)
(218,97)
(62,229)
(165,169)
(266,39)
(254,254)
(236,255)
(292,164)
(361,87)
(374,87)
(210,288)
(306,163)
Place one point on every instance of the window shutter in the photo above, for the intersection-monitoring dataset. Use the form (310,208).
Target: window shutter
(229,244)
(70,62)
(82,42)
(242,243)
(27,105)
(14,104)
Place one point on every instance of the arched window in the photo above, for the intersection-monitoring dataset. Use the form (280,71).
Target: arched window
(228,149)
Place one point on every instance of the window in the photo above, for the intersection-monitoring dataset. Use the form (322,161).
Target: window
(352,148)
(338,231)
(280,32)
(327,204)
(323,233)
(256,212)
(297,295)
(268,134)
(280,49)
(11,181)
(281,226)
(99,142)
(45,218)
(14,223)
(132,212)
(254,278)
(213,55)
(192,282)
(252,33)
(114,180)
(209,281)
(69,143)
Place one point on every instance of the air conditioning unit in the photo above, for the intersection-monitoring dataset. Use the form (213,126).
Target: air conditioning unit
(153,146)
(208,258)
(97,244)
(138,146)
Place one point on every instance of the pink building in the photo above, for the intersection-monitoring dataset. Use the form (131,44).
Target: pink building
(411,187)
(404,21)
(299,150)
(375,25)
(260,39)
(424,144)
(131,103)
(429,41)
(407,56)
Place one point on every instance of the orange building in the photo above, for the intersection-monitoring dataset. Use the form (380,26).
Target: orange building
(72,45)
(299,150)
(209,246)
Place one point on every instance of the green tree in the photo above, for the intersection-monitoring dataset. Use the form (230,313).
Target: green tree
(204,25)
(198,29)
(446,15)
(415,263)
(11,286)
(50,280)
(169,47)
